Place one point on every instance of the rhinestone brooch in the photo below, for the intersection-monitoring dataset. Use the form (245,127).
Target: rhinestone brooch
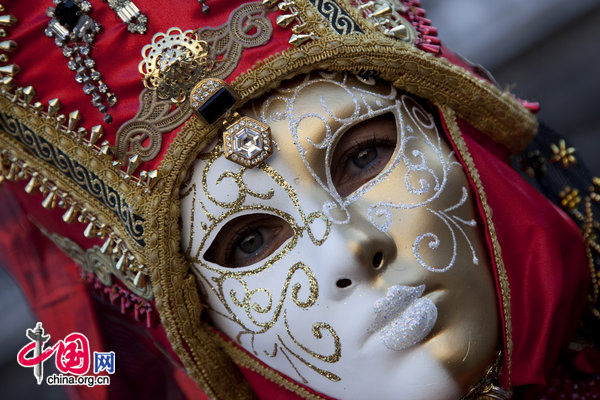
(74,32)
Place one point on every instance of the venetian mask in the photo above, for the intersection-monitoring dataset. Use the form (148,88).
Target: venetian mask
(352,260)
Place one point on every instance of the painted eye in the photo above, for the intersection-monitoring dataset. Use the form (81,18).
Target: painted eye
(248,239)
(362,152)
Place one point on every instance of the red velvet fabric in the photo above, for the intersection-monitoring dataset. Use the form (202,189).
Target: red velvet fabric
(544,258)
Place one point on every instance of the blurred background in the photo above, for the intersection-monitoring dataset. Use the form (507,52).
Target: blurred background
(543,50)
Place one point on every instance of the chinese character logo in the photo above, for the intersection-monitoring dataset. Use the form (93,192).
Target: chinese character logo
(38,339)
(104,362)
(72,354)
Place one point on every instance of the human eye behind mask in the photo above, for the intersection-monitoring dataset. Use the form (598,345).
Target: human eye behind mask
(248,239)
(362,153)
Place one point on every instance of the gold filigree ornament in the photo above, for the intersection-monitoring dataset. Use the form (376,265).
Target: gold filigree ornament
(174,62)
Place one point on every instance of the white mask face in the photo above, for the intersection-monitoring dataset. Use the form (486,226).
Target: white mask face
(352,260)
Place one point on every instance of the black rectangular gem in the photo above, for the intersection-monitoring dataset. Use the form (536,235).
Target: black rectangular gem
(218,104)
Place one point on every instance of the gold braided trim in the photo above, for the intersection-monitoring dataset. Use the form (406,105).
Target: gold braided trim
(496,113)
(22,120)
(456,135)
(243,359)
(176,292)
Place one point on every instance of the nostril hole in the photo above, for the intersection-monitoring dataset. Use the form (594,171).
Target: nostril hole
(378,260)
(343,283)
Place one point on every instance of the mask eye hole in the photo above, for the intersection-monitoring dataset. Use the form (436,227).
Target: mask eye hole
(248,239)
(362,152)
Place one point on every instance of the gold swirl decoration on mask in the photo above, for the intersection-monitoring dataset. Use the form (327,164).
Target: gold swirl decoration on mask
(260,308)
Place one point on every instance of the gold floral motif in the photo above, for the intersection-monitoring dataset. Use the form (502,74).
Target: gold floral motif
(569,198)
(563,154)
(174,62)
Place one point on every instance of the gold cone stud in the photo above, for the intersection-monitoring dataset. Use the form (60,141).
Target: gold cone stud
(138,280)
(399,32)
(285,20)
(270,3)
(71,214)
(38,107)
(298,29)
(297,40)
(74,118)
(383,11)
(132,163)
(53,107)
(8,45)
(90,231)
(12,172)
(121,263)
(152,178)
(284,6)
(95,134)
(7,20)
(106,149)
(50,201)
(106,246)
(28,94)
(33,183)
(10,70)
(7,84)
(17,94)
(60,119)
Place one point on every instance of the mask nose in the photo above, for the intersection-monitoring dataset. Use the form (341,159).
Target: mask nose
(368,252)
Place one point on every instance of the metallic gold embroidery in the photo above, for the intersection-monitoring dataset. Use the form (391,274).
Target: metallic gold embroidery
(563,154)
(104,265)
(154,117)
(486,388)
(248,27)
(174,63)
(79,174)
(336,16)
(385,14)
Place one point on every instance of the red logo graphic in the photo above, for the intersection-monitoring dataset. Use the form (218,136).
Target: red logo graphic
(72,353)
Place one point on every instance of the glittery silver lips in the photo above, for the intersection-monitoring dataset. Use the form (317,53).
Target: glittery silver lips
(403,318)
